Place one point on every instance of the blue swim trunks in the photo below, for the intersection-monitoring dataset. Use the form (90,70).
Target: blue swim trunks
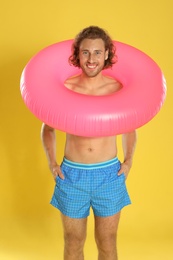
(86,186)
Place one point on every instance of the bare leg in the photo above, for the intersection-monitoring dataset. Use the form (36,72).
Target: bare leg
(74,237)
(106,236)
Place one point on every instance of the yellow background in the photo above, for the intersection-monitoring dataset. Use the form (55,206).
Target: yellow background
(29,227)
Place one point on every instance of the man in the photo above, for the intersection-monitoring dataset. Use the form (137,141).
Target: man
(90,174)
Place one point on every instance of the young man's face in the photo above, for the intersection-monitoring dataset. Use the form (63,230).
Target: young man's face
(92,56)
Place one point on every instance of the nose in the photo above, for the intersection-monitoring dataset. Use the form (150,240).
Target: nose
(91,58)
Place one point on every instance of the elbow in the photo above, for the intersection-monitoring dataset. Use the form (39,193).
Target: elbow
(46,129)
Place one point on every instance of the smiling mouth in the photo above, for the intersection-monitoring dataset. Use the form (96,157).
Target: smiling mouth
(90,66)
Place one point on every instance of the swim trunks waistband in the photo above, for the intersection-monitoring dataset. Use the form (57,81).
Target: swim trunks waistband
(91,165)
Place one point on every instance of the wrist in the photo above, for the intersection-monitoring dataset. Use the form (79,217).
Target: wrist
(128,161)
(52,165)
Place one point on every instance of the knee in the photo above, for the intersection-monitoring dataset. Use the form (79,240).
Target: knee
(74,241)
(106,244)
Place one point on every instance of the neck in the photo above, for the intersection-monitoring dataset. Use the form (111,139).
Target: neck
(91,82)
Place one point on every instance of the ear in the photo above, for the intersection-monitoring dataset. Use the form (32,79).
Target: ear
(106,54)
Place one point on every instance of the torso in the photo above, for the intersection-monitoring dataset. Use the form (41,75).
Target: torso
(107,87)
(90,150)
(95,149)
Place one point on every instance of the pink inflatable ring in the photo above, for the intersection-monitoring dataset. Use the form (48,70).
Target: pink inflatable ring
(140,99)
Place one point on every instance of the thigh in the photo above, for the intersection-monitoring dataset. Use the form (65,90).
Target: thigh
(106,227)
(111,195)
(71,195)
(74,228)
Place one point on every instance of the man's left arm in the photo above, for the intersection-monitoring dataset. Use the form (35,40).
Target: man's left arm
(129,143)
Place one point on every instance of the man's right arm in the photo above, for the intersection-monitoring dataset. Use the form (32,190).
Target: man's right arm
(48,138)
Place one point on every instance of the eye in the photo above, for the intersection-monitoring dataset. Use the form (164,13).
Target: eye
(85,52)
(98,52)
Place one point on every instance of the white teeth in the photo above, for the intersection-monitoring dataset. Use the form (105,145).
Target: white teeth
(91,66)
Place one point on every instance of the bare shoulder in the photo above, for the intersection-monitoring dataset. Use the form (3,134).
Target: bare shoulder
(72,82)
(111,85)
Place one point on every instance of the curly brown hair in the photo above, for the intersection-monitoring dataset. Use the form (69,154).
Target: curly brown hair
(93,32)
